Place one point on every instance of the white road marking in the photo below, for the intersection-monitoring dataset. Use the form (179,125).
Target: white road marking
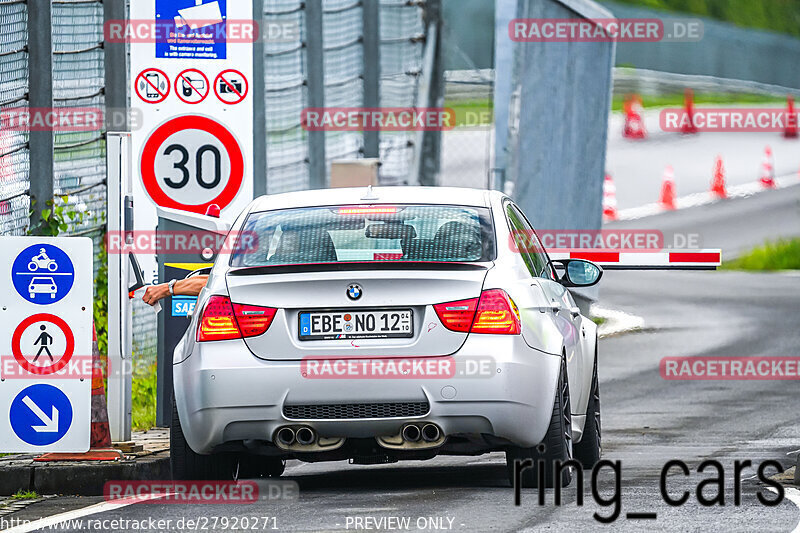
(102,507)
(793,495)
(705,198)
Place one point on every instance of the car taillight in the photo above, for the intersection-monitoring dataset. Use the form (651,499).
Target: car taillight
(494,313)
(457,316)
(252,319)
(222,320)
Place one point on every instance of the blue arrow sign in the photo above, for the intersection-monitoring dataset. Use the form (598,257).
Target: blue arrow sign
(41,415)
(43,274)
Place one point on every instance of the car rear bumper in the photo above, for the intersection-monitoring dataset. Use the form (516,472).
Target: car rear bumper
(225,394)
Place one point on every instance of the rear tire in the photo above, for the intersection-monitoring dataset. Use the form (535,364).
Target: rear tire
(187,465)
(556,446)
(589,449)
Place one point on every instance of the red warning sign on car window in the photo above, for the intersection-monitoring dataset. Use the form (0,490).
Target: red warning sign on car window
(231,86)
(152,86)
(43,344)
(191,162)
(191,86)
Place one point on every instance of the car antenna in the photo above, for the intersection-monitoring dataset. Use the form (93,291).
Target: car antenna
(370,194)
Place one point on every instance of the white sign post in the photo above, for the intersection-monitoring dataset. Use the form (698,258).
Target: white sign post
(191,77)
(45,344)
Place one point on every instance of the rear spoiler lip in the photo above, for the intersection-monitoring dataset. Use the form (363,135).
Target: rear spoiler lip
(355,266)
(703,259)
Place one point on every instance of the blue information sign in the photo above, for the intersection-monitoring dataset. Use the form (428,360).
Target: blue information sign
(41,415)
(43,274)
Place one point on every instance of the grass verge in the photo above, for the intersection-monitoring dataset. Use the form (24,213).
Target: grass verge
(25,495)
(480,112)
(472,112)
(599,320)
(676,100)
(143,399)
(778,255)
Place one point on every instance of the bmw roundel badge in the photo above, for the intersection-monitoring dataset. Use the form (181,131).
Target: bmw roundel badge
(354,291)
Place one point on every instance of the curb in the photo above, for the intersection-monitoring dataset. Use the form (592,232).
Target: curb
(78,478)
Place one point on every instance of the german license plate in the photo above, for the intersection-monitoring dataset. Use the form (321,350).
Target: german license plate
(381,324)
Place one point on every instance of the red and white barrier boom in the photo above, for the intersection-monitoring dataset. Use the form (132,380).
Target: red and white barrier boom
(647,260)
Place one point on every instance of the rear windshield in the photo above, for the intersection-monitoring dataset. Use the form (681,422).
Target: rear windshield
(380,233)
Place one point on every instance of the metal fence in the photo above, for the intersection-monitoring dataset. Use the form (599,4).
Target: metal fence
(14,153)
(78,80)
(401,42)
(79,164)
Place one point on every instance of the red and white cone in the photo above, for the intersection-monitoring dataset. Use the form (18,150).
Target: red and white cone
(667,199)
(718,181)
(790,130)
(101,434)
(767,170)
(634,119)
(688,105)
(609,199)
(100,441)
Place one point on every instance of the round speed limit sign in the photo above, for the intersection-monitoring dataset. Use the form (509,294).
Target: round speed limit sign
(190,162)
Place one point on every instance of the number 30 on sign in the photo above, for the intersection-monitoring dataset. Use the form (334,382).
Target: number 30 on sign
(191,162)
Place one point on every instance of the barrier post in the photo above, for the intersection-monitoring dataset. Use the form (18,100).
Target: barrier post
(120,310)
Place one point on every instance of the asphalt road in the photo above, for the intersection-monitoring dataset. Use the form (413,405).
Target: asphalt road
(735,225)
(647,421)
(637,166)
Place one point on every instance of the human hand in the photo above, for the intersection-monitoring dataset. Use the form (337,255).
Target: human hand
(154,293)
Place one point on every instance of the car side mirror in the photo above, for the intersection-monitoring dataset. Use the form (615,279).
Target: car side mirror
(579,273)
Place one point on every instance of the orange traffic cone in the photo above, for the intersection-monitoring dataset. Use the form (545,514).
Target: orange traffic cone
(667,199)
(767,170)
(101,434)
(634,119)
(790,131)
(688,104)
(718,181)
(609,199)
